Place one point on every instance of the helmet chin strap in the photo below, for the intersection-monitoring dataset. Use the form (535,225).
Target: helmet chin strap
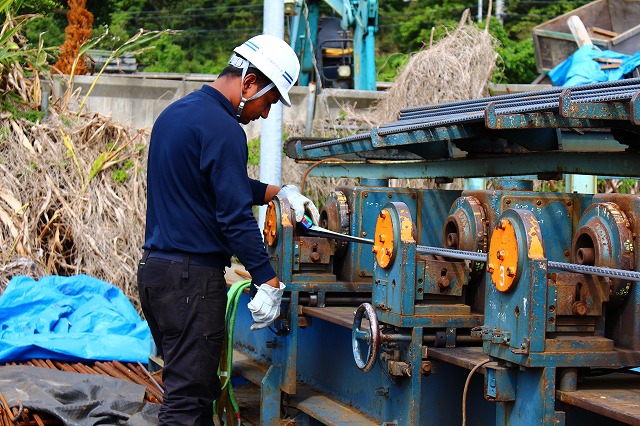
(239,62)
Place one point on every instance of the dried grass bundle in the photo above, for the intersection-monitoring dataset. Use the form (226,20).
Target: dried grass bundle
(72,198)
(457,67)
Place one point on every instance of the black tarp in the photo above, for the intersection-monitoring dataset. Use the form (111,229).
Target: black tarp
(77,399)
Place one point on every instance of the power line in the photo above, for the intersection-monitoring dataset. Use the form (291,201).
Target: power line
(205,9)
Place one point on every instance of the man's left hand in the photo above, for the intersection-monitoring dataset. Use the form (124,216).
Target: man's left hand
(265,305)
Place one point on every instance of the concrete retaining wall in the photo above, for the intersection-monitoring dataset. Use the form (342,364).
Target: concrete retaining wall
(139,99)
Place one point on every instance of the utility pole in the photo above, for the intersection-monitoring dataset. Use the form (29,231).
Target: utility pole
(271,128)
(479,10)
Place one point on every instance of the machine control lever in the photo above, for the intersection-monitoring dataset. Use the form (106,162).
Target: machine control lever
(315,230)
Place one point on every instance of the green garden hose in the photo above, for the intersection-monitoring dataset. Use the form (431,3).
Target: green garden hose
(233,298)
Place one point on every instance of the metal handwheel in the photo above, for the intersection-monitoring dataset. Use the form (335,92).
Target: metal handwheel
(370,337)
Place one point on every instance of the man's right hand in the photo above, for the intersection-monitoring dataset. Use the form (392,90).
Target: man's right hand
(300,204)
(265,305)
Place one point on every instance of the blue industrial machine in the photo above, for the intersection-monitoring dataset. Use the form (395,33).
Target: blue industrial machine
(338,51)
(506,306)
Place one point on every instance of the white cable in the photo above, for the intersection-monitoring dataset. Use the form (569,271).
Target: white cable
(466,388)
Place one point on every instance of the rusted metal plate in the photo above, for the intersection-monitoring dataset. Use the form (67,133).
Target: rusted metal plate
(248,368)
(615,396)
(340,315)
(327,410)
(464,356)
(569,344)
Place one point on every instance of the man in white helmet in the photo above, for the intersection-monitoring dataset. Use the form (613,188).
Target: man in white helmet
(199,200)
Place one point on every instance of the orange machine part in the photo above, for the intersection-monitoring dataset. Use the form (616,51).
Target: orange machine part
(503,255)
(383,239)
(271,225)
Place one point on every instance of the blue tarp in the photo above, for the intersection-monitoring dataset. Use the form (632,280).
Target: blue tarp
(70,319)
(582,68)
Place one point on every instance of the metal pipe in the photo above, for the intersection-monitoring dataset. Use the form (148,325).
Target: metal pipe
(575,95)
(397,337)
(347,139)
(536,104)
(612,84)
(568,379)
(311,105)
(384,183)
(518,109)
(334,300)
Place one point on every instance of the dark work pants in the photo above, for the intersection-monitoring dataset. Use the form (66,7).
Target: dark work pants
(184,305)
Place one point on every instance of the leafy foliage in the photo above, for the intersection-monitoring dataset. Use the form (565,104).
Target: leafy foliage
(18,58)
(408,27)
(207,31)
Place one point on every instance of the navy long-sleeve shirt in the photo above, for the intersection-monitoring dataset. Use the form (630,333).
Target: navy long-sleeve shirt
(199,196)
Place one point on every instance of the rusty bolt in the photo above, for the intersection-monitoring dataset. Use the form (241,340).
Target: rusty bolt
(511,271)
(444,282)
(508,201)
(490,268)
(569,203)
(269,223)
(501,254)
(272,233)
(389,195)
(364,233)
(502,224)
(567,253)
(425,368)
(538,202)
(579,308)
(365,194)
(381,238)
(315,256)
(383,214)
(375,249)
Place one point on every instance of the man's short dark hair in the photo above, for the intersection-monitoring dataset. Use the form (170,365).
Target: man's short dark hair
(232,71)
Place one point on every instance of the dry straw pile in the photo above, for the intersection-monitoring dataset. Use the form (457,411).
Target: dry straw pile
(457,67)
(72,193)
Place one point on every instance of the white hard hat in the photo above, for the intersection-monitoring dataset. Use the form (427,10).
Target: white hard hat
(275,59)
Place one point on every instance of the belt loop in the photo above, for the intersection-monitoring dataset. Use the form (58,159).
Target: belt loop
(185,267)
(145,255)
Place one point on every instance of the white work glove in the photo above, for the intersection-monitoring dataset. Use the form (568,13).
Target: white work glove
(300,204)
(265,305)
